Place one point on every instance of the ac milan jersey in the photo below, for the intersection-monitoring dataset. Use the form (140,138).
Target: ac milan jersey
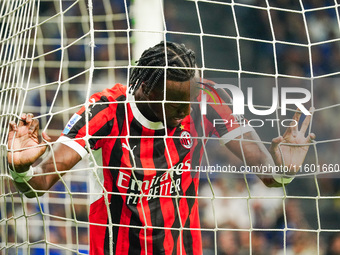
(148,185)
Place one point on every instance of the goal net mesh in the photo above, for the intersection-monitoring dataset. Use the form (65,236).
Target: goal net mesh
(54,54)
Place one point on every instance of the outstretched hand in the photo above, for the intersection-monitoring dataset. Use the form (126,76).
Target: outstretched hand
(291,149)
(23,143)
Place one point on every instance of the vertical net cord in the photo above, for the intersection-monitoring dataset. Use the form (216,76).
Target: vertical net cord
(63,74)
(91,70)
(45,200)
(278,128)
(166,136)
(42,75)
(241,139)
(24,43)
(128,131)
(87,102)
(310,126)
(89,57)
(112,39)
(128,135)
(213,195)
(28,80)
(178,196)
(133,173)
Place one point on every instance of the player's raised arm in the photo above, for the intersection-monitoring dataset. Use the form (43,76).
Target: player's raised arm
(24,150)
(254,153)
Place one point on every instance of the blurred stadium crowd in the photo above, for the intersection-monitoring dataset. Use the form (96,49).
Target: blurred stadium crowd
(243,214)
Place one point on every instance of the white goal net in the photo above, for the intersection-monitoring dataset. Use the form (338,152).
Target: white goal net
(54,54)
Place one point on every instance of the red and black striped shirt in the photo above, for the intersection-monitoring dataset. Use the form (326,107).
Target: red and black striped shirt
(147,187)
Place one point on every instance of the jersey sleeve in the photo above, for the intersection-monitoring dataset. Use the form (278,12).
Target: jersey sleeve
(220,118)
(87,128)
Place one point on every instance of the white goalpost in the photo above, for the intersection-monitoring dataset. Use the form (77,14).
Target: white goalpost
(54,54)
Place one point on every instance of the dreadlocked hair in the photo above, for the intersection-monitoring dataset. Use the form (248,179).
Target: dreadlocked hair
(177,56)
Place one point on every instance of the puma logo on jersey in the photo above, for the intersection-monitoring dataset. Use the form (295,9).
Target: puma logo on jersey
(92,103)
(124,145)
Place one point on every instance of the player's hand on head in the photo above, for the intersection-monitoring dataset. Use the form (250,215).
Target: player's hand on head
(23,143)
(291,149)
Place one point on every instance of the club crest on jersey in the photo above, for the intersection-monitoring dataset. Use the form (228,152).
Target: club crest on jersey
(186,139)
(71,123)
